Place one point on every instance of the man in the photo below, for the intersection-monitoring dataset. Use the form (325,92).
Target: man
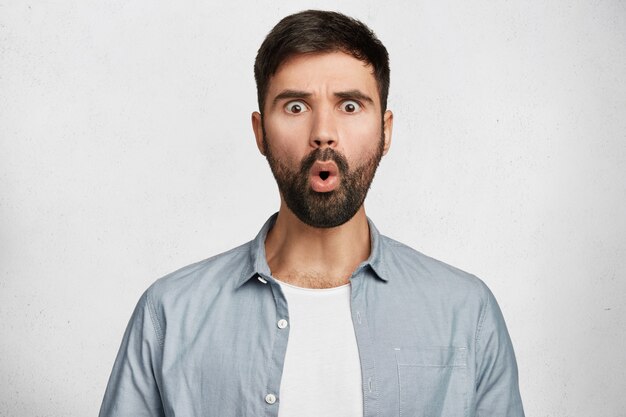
(320,315)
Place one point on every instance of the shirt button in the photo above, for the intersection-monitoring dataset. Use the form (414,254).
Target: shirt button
(282,323)
(270,398)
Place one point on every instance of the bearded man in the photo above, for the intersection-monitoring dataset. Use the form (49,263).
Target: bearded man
(320,314)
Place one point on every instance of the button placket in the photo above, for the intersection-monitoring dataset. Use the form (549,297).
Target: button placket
(276,362)
(366,347)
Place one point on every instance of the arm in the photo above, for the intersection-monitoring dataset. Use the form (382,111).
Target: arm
(133,390)
(497,388)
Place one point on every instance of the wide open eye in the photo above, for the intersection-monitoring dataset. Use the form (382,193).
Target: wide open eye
(350,106)
(295,107)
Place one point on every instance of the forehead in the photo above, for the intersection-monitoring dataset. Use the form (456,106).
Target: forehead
(323,72)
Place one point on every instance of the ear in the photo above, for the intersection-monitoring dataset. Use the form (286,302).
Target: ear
(257,127)
(387,128)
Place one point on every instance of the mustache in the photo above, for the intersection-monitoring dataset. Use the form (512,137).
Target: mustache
(327,154)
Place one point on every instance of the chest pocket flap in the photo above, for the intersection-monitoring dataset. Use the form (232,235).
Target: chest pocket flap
(433,381)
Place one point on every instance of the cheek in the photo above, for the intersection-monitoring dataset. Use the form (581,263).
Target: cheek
(362,128)
(360,137)
(288,140)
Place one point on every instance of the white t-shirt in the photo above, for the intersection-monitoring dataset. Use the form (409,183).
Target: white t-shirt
(322,371)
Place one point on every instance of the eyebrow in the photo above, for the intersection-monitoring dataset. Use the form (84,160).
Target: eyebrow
(354,94)
(286,94)
(348,94)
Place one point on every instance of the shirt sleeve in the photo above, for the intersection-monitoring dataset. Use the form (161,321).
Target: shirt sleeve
(133,390)
(497,386)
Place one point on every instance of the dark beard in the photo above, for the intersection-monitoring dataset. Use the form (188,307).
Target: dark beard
(329,209)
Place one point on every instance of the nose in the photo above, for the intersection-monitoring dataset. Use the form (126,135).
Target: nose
(324,130)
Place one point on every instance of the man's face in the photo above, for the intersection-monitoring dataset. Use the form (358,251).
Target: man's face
(323,135)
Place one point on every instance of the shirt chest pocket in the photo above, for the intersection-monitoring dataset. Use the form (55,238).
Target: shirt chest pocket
(433,381)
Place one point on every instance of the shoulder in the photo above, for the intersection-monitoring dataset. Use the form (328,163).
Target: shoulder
(413,268)
(201,279)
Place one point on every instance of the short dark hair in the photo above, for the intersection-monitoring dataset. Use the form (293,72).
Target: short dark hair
(314,31)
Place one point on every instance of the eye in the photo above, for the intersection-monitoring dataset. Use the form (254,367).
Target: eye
(295,107)
(350,106)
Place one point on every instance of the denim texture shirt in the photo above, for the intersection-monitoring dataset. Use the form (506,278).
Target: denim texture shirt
(210,339)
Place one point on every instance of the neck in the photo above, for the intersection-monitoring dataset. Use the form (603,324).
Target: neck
(311,257)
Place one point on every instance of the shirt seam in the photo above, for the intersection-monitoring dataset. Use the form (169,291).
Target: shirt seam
(479,329)
(156,325)
(481,320)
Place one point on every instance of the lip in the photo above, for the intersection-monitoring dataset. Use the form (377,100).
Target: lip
(324,185)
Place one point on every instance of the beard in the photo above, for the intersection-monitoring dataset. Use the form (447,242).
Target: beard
(327,209)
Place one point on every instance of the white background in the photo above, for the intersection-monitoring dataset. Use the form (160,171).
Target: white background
(126,153)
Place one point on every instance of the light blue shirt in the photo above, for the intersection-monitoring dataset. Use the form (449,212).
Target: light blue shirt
(209,340)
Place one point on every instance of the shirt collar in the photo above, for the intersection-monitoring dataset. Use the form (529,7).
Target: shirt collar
(257,261)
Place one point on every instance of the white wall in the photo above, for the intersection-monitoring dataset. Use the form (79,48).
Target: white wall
(126,153)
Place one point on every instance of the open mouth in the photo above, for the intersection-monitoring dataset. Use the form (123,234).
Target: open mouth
(324,176)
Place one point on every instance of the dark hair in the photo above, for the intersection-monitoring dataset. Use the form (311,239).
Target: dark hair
(314,31)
